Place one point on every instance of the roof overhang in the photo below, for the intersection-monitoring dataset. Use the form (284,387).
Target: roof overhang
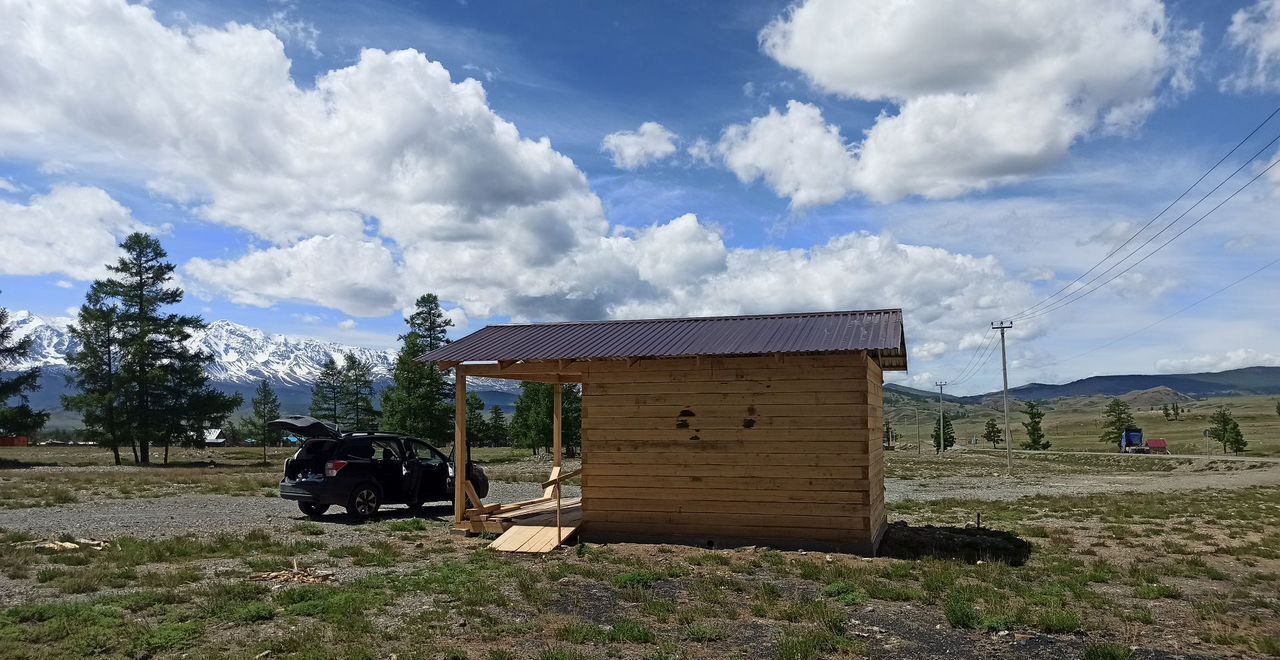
(548,351)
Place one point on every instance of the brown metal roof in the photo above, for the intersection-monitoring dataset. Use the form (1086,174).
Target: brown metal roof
(879,332)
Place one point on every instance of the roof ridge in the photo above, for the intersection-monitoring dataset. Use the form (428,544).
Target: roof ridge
(736,317)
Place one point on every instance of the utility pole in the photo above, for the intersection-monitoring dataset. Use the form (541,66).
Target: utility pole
(917,432)
(942,427)
(1004,367)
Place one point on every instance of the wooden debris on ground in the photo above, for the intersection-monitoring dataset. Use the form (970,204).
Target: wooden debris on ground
(63,546)
(293,575)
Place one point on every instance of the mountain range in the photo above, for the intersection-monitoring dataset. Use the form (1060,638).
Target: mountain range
(243,356)
(1245,381)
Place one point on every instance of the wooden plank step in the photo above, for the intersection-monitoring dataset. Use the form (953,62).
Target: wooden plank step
(533,539)
(541,507)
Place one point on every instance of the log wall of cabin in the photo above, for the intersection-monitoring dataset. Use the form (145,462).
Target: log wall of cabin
(784,451)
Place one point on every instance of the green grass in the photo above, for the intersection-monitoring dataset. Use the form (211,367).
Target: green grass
(846,593)
(643,579)
(1072,424)
(802,643)
(1107,651)
(1058,620)
(960,612)
(1157,590)
(409,525)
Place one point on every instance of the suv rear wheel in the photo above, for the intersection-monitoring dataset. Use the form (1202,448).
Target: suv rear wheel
(312,509)
(364,501)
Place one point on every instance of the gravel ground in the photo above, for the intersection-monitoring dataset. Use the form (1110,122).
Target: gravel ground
(207,514)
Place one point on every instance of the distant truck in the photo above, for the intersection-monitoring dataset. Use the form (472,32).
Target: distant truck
(1131,441)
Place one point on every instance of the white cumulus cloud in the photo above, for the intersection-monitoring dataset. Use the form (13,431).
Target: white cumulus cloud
(360,277)
(797,153)
(982,93)
(1255,30)
(1234,359)
(631,150)
(71,230)
(388,178)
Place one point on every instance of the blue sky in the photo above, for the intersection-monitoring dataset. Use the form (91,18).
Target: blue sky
(312,167)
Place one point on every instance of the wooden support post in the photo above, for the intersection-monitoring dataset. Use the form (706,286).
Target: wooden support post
(459,444)
(557,422)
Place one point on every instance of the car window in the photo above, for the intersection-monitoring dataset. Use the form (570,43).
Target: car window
(386,449)
(425,451)
(357,448)
(317,448)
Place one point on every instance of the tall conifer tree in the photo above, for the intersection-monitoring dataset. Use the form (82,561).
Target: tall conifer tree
(326,393)
(266,407)
(355,395)
(96,374)
(418,401)
(160,392)
(16,414)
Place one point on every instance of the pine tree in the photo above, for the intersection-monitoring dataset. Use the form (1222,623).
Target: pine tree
(991,432)
(499,430)
(1278,407)
(16,415)
(266,407)
(418,401)
(355,395)
(326,393)
(1035,433)
(95,374)
(1164,409)
(1176,412)
(571,420)
(531,426)
(1224,429)
(477,425)
(160,392)
(1115,419)
(948,434)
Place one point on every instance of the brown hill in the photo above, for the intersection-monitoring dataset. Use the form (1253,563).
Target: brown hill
(1156,396)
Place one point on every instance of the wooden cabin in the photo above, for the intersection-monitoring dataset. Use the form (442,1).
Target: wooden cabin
(715,432)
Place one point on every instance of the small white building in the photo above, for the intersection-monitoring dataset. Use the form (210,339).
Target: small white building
(214,438)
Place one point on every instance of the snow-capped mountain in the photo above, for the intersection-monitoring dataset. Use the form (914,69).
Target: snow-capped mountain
(247,355)
(242,355)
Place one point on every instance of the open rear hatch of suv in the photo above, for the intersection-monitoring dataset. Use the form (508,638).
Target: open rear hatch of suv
(321,440)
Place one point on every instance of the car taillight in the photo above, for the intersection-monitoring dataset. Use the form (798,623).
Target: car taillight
(332,468)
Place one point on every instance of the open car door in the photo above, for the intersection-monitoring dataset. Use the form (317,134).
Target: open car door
(304,426)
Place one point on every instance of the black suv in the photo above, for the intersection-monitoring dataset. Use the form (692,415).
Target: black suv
(363,471)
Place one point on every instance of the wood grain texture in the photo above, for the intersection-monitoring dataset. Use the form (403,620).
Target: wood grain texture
(759,447)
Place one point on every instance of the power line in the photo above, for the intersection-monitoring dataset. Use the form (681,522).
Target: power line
(1154,324)
(991,350)
(1068,300)
(982,361)
(1158,215)
(1085,293)
(974,355)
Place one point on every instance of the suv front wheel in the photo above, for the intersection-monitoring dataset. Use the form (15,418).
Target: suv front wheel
(364,501)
